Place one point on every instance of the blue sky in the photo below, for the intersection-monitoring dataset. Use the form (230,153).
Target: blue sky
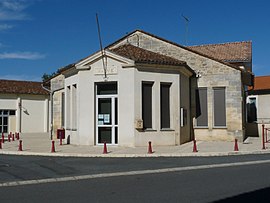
(40,36)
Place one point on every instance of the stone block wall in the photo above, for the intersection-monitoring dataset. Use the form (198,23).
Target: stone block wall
(211,74)
(57,86)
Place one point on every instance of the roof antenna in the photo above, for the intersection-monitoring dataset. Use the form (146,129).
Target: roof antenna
(102,50)
(186,34)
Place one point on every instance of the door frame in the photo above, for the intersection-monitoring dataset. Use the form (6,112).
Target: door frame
(113,124)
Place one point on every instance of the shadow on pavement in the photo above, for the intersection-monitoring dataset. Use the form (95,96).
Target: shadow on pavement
(261,195)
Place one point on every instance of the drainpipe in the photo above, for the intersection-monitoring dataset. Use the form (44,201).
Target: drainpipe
(51,98)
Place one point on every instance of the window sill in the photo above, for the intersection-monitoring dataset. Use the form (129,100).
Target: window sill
(166,129)
(220,127)
(149,130)
(201,127)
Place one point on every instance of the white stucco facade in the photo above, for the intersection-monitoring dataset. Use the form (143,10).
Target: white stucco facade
(26,113)
(82,101)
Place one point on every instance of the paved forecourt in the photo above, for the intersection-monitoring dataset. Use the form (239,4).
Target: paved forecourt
(40,144)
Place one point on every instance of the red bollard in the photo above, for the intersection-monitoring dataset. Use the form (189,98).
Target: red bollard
(236,146)
(194,146)
(13,139)
(263,141)
(9,137)
(0,144)
(53,147)
(150,151)
(105,151)
(3,138)
(18,136)
(20,145)
(61,142)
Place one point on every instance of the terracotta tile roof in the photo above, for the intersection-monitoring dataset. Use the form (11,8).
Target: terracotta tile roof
(261,83)
(227,52)
(178,45)
(143,56)
(21,87)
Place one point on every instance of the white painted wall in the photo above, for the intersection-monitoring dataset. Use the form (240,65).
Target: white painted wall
(33,115)
(263,108)
(263,115)
(8,102)
(129,80)
(158,136)
(72,120)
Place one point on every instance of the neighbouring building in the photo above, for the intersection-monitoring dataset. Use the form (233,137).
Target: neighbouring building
(24,107)
(144,88)
(258,108)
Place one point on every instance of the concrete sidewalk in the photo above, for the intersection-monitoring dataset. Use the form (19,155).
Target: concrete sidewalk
(40,145)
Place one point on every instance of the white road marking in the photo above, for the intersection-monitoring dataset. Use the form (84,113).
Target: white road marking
(129,173)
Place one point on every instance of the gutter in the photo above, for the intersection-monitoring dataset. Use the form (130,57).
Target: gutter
(51,99)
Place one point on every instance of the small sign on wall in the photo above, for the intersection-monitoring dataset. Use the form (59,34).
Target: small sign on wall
(139,124)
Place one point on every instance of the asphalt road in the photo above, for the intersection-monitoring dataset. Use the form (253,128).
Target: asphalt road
(191,179)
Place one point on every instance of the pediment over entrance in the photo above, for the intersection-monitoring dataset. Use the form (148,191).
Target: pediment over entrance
(107,59)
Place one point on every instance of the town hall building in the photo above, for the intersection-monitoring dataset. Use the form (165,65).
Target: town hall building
(145,88)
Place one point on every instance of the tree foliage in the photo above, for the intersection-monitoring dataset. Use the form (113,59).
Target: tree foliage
(47,76)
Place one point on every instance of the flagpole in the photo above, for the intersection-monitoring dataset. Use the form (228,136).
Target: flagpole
(186,34)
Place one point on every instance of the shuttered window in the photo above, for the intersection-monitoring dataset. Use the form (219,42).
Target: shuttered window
(219,107)
(201,107)
(63,110)
(147,104)
(165,105)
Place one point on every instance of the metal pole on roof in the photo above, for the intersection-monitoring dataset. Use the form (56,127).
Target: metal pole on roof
(101,49)
(186,34)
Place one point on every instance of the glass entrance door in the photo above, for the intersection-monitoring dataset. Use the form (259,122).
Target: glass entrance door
(3,121)
(107,114)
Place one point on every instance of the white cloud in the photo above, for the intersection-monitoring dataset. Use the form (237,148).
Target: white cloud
(13,10)
(5,27)
(15,5)
(8,16)
(21,77)
(22,55)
